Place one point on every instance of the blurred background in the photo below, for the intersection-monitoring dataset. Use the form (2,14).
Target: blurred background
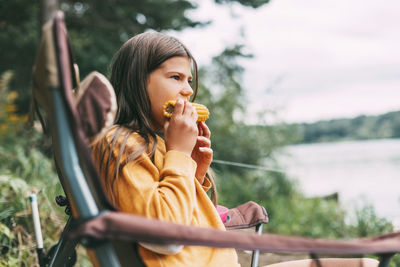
(305,116)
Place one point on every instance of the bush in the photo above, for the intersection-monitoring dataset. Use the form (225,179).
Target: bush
(290,212)
(24,169)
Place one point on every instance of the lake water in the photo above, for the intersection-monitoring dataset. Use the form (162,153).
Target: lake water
(360,171)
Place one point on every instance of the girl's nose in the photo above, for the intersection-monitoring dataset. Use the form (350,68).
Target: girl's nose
(187,91)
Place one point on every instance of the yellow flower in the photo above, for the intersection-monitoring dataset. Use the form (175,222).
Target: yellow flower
(24,118)
(12,95)
(3,127)
(11,108)
(13,118)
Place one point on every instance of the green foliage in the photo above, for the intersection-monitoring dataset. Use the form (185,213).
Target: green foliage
(293,214)
(367,223)
(250,3)
(114,23)
(97,29)
(19,38)
(20,157)
(9,119)
(17,241)
(24,169)
(18,153)
(362,127)
(15,216)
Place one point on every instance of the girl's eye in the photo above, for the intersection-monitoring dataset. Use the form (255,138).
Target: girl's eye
(176,77)
(190,82)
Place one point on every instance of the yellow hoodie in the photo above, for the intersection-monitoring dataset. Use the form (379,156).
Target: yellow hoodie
(163,187)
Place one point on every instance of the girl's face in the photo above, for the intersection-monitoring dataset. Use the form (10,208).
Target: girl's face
(171,81)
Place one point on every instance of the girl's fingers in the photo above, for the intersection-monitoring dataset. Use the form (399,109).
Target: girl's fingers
(194,114)
(187,107)
(179,107)
(206,152)
(200,129)
(206,149)
(189,110)
(203,141)
(205,131)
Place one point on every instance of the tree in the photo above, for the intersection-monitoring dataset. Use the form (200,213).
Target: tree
(96,29)
(251,3)
(19,26)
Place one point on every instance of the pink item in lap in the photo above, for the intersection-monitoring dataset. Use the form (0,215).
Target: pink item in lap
(223,212)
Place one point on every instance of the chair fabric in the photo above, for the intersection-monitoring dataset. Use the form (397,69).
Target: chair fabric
(96,105)
(246,215)
(128,227)
(45,74)
(54,70)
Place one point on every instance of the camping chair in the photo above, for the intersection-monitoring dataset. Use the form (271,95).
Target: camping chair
(76,119)
(111,236)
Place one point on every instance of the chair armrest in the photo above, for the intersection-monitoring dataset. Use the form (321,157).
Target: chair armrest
(246,215)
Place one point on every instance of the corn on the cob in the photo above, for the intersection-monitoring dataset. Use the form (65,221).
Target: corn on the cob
(202,111)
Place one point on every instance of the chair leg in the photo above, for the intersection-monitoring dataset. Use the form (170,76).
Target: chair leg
(256,253)
(63,251)
(385,260)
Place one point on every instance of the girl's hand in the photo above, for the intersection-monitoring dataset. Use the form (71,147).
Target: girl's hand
(180,132)
(202,152)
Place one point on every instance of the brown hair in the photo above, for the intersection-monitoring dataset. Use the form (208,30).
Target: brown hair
(130,71)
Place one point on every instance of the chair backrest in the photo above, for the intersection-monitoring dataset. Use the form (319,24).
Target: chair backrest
(75,117)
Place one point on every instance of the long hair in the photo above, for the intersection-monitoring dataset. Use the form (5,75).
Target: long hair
(130,71)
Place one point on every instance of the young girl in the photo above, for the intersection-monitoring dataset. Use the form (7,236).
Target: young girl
(157,167)
(154,166)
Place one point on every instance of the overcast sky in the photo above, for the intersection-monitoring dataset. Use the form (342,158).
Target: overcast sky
(313,59)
